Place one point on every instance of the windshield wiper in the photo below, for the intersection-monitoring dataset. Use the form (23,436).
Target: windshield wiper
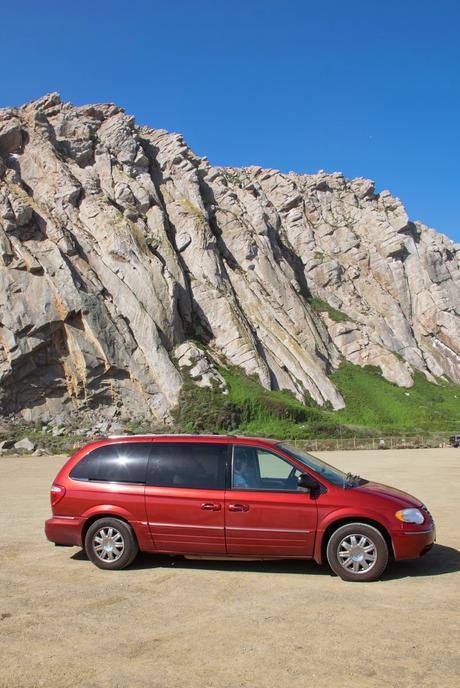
(351,480)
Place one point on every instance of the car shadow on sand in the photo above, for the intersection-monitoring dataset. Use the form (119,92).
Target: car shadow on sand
(145,560)
(440,560)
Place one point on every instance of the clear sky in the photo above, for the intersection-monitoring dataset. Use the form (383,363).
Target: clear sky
(367,88)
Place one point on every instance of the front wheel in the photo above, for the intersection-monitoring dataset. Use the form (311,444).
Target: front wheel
(357,552)
(110,543)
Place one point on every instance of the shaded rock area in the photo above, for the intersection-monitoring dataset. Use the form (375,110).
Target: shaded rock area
(119,245)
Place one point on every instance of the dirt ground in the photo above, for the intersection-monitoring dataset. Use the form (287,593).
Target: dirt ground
(171,622)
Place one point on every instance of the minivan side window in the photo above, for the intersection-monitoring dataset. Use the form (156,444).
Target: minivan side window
(255,468)
(123,462)
(188,464)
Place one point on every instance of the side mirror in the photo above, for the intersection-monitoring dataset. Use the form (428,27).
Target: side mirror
(307,482)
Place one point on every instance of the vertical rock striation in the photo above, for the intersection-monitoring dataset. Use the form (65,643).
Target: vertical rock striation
(118,245)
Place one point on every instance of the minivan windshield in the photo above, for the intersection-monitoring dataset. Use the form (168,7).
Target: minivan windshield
(334,475)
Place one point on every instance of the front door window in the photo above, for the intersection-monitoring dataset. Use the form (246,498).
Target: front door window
(259,469)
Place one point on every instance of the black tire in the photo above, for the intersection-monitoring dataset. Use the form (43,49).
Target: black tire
(111,544)
(368,549)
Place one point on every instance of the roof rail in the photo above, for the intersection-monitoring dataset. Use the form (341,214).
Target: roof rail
(167,434)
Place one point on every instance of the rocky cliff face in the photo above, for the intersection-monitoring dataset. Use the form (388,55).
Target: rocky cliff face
(118,245)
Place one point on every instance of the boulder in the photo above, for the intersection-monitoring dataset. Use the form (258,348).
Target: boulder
(201,369)
(10,136)
(7,444)
(24,445)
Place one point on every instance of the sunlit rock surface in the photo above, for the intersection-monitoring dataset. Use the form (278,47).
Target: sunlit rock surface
(118,245)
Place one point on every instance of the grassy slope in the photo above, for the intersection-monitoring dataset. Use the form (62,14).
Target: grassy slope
(373,405)
(372,401)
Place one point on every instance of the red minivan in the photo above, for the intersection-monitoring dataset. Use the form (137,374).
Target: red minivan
(237,497)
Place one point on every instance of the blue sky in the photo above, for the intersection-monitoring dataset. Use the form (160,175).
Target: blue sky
(367,88)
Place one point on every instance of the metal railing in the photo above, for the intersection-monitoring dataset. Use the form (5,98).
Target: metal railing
(415,441)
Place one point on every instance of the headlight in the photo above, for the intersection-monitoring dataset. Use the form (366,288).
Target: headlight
(410,516)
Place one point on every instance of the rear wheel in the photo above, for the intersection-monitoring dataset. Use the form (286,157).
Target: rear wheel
(357,552)
(110,543)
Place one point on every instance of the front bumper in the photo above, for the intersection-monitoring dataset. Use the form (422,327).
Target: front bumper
(411,544)
(64,530)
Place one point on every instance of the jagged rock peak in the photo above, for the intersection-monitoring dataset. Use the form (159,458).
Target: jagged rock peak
(118,245)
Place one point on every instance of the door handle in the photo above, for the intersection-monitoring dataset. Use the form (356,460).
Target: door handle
(238,507)
(209,506)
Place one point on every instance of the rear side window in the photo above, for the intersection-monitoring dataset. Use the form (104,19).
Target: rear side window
(188,464)
(124,462)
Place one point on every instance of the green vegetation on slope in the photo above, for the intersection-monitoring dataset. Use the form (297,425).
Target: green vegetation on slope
(374,402)
(373,405)
(321,306)
(247,409)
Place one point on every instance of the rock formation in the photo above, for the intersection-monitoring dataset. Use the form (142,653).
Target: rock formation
(119,245)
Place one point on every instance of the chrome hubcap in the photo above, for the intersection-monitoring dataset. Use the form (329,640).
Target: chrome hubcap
(108,544)
(357,553)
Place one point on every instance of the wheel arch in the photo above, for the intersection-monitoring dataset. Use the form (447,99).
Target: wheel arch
(105,514)
(320,554)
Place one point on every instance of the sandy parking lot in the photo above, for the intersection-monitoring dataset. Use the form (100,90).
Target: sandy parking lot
(165,623)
